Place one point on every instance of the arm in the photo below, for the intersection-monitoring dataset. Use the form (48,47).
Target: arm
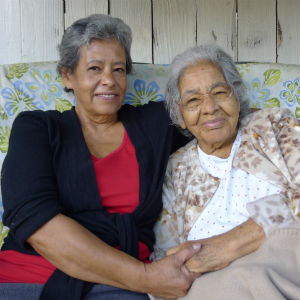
(166,228)
(274,139)
(219,251)
(267,213)
(80,254)
(34,215)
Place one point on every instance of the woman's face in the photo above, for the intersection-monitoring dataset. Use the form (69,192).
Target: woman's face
(215,124)
(99,80)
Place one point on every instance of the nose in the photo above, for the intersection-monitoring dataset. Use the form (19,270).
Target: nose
(107,78)
(209,105)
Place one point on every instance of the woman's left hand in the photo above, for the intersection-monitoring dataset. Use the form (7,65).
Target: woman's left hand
(219,251)
(211,257)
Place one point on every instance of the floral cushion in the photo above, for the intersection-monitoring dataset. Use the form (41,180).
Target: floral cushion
(37,86)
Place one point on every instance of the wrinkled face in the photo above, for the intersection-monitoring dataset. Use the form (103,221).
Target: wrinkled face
(214,123)
(99,80)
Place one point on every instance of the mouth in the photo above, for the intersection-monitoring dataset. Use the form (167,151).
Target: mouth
(216,123)
(106,96)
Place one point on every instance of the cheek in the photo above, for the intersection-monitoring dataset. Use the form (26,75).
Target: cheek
(191,120)
(123,84)
(233,110)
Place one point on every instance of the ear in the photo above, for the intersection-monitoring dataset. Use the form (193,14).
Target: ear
(182,125)
(181,121)
(66,75)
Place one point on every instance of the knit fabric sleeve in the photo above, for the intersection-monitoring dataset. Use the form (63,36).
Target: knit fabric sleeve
(27,178)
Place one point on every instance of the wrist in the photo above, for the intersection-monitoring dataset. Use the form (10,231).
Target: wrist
(143,278)
(245,239)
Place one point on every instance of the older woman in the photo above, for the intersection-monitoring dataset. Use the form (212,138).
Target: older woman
(239,169)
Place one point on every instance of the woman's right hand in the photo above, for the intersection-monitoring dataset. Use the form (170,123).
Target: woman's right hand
(219,251)
(80,254)
(169,277)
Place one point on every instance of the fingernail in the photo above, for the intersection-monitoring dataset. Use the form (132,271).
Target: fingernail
(196,247)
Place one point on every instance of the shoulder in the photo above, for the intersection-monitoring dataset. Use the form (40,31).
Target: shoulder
(39,116)
(183,156)
(40,123)
(276,116)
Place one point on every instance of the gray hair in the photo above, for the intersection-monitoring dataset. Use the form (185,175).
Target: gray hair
(215,55)
(85,30)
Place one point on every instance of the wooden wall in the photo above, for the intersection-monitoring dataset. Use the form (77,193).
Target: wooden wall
(250,30)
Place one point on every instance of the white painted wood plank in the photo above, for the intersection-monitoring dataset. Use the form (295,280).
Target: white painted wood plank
(257,30)
(76,9)
(288,39)
(96,7)
(10,32)
(42,29)
(174,23)
(216,23)
(137,14)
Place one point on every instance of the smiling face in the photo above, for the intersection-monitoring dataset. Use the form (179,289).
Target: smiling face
(215,124)
(99,80)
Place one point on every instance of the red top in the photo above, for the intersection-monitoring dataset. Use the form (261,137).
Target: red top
(117,177)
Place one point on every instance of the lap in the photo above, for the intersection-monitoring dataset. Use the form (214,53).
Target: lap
(99,292)
(17,291)
(26,291)
(271,272)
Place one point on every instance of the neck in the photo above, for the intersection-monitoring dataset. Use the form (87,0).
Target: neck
(88,120)
(221,150)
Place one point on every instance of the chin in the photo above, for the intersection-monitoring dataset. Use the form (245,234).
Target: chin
(217,139)
(108,109)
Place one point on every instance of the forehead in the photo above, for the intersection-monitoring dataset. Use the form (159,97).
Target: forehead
(102,49)
(202,70)
(200,76)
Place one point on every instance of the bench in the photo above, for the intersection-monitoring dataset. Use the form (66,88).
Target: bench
(36,86)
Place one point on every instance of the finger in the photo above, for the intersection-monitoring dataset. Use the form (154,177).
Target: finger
(173,250)
(183,255)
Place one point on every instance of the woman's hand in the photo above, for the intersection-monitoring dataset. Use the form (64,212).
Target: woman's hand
(169,277)
(212,256)
(80,254)
(219,251)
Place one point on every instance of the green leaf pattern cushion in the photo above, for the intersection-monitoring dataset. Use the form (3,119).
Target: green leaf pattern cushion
(272,85)
(36,86)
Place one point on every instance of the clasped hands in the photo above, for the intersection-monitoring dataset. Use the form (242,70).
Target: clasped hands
(213,255)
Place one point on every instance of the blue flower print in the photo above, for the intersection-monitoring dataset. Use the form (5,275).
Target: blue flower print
(257,94)
(143,94)
(44,86)
(243,68)
(18,99)
(291,93)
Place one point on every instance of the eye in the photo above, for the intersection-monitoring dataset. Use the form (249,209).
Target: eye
(120,70)
(219,92)
(94,68)
(192,100)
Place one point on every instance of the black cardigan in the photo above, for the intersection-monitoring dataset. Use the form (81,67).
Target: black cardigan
(48,170)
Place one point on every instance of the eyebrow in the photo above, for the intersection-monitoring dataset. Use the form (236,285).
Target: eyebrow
(98,61)
(197,90)
(190,92)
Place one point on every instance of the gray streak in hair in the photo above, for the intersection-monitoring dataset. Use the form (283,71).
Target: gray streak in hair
(215,55)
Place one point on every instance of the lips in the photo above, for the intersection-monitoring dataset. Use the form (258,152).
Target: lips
(216,123)
(106,96)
